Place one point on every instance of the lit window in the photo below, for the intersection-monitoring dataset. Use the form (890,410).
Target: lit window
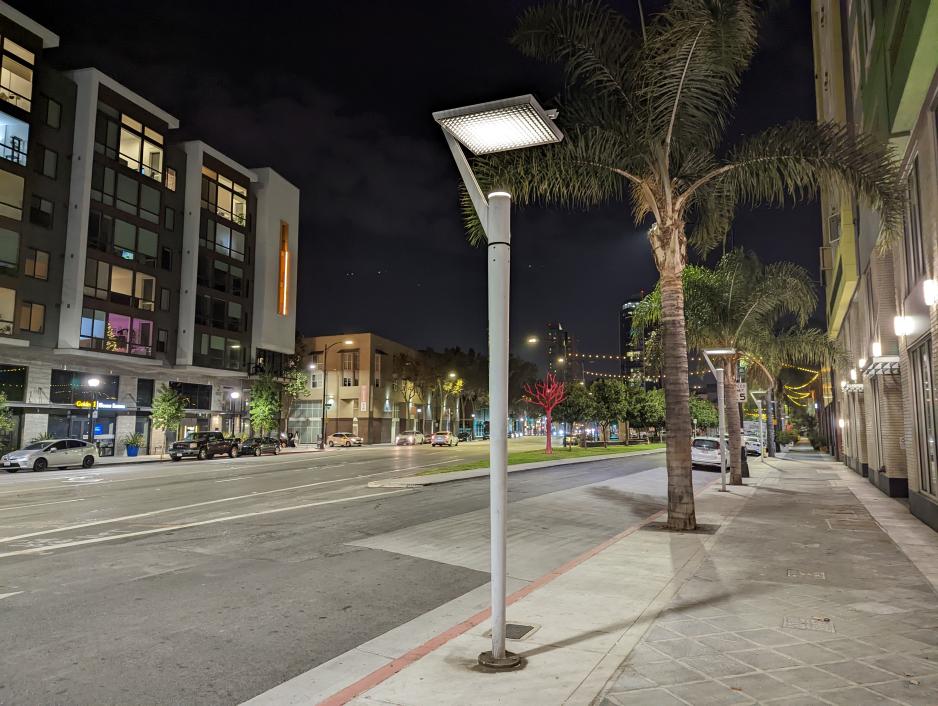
(11,195)
(224,197)
(32,317)
(37,264)
(14,139)
(283,286)
(16,83)
(170,178)
(19,51)
(7,309)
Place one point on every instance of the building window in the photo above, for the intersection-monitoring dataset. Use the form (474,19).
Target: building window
(68,386)
(9,249)
(53,117)
(196,396)
(32,317)
(13,382)
(169,218)
(119,136)
(349,368)
(220,276)
(7,309)
(149,203)
(170,178)
(49,165)
(925,429)
(37,263)
(166,259)
(914,251)
(14,139)
(222,239)
(237,280)
(11,195)
(284,279)
(144,392)
(115,333)
(133,243)
(224,197)
(16,75)
(162,340)
(379,359)
(41,211)
(165,299)
(97,279)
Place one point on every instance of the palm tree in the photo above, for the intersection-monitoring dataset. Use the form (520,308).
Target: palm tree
(734,305)
(644,115)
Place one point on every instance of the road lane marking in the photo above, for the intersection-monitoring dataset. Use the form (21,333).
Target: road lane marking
(186,525)
(228,480)
(7,595)
(162,511)
(55,502)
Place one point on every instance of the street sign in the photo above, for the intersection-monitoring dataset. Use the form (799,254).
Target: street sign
(741,392)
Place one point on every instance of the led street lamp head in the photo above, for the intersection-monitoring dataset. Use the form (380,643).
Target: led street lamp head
(498,126)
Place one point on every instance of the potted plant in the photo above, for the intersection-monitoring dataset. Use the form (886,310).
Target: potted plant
(133,442)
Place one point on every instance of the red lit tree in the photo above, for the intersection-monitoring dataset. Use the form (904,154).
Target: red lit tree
(546,394)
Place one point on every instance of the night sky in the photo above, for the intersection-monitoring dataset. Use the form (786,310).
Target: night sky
(337,97)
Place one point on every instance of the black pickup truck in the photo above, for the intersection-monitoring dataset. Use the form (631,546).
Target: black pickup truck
(203,445)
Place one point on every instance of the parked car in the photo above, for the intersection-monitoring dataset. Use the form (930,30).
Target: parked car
(257,445)
(59,453)
(705,451)
(409,438)
(203,445)
(444,438)
(343,438)
(464,436)
(753,445)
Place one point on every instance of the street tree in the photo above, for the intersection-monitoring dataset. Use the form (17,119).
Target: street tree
(644,114)
(704,411)
(577,406)
(167,410)
(295,385)
(546,394)
(408,378)
(264,405)
(610,403)
(732,306)
(7,422)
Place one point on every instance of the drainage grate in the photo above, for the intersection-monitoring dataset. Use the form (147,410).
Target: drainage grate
(516,631)
(817,624)
(799,574)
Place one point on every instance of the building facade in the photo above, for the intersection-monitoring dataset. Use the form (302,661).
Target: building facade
(130,259)
(877,71)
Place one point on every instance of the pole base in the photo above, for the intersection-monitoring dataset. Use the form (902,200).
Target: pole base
(508,662)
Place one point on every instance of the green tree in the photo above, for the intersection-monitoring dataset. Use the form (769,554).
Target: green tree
(610,403)
(705,412)
(264,405)
(644,114)
(7,422)
(295,385)
(407,379)
(167,409)
(577,406)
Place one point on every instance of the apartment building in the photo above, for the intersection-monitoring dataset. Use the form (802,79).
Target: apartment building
(354,376)
(130,259)
(877,71)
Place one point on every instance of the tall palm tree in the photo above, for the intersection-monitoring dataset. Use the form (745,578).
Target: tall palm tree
(644,115)
(732,306)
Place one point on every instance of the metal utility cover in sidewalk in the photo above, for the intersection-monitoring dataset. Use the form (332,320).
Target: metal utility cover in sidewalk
(516,631)
(816,624)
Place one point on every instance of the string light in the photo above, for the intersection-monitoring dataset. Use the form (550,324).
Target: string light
(799,387)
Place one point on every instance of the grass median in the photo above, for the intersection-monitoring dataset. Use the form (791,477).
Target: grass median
(536,455)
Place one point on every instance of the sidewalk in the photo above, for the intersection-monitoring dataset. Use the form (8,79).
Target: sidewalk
(790,594)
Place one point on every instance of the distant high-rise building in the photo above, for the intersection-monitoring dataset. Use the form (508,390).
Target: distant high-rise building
(562,360)
(632,352)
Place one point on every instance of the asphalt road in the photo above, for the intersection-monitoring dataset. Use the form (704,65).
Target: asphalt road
(211,582)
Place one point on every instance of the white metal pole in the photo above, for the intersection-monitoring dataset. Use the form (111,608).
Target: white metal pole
(721,401)
(761,429)
(499,260)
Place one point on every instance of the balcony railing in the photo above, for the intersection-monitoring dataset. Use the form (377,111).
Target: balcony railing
(14,151)
(117,344)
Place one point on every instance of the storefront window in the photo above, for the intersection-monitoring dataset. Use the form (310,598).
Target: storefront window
(13,382)
(197,396)
(73,387)
(144,392)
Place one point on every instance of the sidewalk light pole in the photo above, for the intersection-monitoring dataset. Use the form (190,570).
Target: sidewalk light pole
(325,371)
(498,126)
(721,402)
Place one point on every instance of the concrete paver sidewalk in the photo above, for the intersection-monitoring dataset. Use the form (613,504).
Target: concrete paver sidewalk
(803,599)
(793,593)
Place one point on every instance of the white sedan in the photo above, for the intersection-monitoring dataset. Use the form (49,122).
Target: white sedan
(753,445)
(59,453)
(343,438)
(705,451)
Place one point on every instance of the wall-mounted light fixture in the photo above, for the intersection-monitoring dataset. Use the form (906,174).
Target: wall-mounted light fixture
(903,325)
(861,363)
(930,292)
(853,374)
(876,349)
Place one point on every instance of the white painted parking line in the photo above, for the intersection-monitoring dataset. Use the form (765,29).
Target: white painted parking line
(200,523)
(204,503)
(55,502)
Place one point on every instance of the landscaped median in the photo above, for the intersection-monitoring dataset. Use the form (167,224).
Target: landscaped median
(517,461)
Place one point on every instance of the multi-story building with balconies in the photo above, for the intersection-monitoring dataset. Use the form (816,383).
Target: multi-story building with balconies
(128,259)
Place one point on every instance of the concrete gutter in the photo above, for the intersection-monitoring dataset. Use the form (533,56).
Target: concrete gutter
(419,481)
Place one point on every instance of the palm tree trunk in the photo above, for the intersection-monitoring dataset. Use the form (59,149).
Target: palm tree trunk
(681,514)
(732,423)
(770,422)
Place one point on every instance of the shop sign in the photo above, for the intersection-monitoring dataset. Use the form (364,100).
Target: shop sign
(111,405)
(84,404)
(363,397)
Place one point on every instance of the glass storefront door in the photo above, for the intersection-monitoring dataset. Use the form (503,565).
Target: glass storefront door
(921,357)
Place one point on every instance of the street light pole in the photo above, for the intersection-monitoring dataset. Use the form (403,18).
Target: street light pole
(497,126)
(721,402)
(758,401)
(325,374)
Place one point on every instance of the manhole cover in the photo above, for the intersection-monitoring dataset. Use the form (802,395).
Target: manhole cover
(799,574)
(516,631)
(817,624)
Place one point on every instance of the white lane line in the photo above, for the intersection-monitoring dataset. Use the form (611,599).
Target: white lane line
(55,502)
(162,511)
(200,523)
(7,595)
(228,480)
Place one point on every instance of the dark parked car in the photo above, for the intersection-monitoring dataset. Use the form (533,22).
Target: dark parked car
(203,445)
(464,436)
(259,445)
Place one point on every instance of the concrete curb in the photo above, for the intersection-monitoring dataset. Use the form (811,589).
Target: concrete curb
(419,481)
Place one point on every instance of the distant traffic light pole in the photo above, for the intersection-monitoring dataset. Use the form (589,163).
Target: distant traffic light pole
(497,126)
